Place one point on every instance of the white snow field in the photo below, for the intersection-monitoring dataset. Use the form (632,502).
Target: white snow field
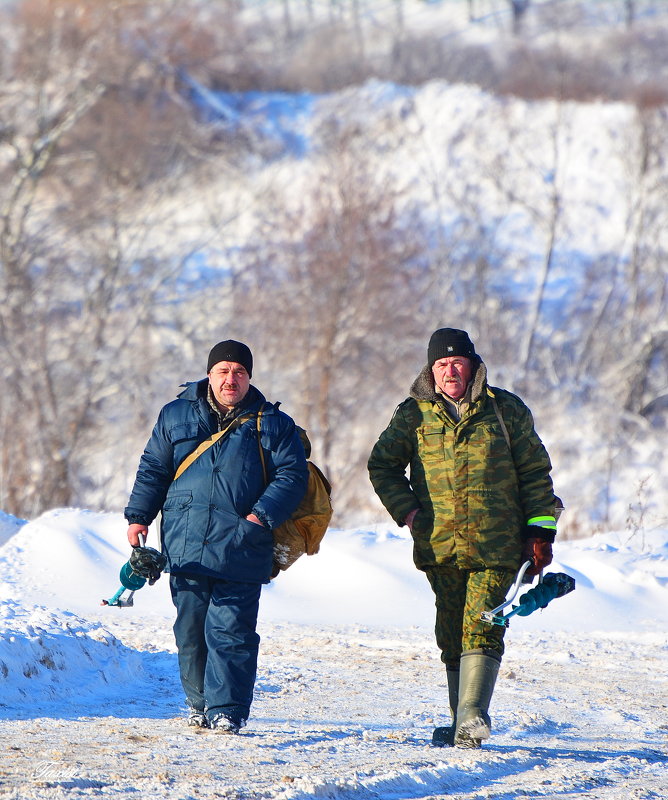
(350,683)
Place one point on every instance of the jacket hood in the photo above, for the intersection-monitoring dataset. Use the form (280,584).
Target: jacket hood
(424,388)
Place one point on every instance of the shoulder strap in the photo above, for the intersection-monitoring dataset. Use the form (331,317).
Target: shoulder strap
(497,411)
(259,442)
(202,447)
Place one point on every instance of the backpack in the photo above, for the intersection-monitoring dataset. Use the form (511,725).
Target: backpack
(303,532)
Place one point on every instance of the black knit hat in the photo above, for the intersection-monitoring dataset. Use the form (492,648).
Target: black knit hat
(231,351)
(447,342)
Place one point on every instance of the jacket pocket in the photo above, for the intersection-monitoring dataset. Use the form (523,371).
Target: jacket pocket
(430,442)
(253,536)
(183,432)
(423,528)
(177,501)
(175,513)
(423,525)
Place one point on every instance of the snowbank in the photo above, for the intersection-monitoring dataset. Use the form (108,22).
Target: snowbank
(350,683)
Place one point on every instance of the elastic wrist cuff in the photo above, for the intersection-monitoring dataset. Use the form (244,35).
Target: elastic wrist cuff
(538,532)
(134,520)
(543,522)
(261,517)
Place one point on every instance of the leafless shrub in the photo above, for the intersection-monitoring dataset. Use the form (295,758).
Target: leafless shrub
(415,60)
(324,60)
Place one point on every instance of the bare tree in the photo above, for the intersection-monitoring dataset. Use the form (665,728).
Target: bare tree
(519,9)
(85,252)
(550,223)
(336,288)
(630,8)
(643,305)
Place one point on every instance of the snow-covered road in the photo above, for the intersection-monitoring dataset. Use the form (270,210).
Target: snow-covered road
(348,713)
(348,692)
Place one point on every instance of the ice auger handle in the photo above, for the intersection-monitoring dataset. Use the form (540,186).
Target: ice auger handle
(553,585)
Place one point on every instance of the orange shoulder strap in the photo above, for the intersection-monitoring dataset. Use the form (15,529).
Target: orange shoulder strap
(202,447)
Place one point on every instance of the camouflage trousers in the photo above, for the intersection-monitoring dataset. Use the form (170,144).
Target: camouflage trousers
(461,595)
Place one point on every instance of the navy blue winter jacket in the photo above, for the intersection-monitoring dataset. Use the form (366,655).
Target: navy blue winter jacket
(203,527)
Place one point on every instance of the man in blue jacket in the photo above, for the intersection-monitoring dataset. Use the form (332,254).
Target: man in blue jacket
(217,519)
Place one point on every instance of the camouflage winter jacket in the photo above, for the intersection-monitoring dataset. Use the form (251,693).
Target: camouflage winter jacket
(473,492)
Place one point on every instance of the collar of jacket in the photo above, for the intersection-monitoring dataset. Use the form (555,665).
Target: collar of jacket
(423,387)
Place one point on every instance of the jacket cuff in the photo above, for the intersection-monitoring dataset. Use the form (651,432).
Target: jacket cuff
(262,517)
(538,532)
(399,513)
(135,519)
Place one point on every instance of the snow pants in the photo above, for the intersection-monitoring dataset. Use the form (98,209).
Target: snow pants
(461,596)
(217,642)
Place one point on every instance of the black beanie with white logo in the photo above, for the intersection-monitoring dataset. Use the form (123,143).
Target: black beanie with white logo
(449,342)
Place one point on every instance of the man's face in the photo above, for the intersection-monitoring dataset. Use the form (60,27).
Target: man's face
(452,375)
(229,383)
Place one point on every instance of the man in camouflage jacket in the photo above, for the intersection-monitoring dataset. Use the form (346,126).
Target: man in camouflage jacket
(478,500)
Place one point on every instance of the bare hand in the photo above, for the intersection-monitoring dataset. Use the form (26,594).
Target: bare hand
(133,533)
(256,520)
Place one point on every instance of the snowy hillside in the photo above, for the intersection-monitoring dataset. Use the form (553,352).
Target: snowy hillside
(350,684)
(453,154)
(457,178)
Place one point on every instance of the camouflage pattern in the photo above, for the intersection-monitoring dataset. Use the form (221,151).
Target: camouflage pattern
(461,596)
(473,492)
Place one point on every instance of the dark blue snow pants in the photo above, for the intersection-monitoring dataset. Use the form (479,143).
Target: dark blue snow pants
(217,642)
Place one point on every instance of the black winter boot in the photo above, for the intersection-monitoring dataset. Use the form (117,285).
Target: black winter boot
(477,677)
(445,737)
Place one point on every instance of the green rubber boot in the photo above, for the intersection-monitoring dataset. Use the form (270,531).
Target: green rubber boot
(445,737)
(477,677)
